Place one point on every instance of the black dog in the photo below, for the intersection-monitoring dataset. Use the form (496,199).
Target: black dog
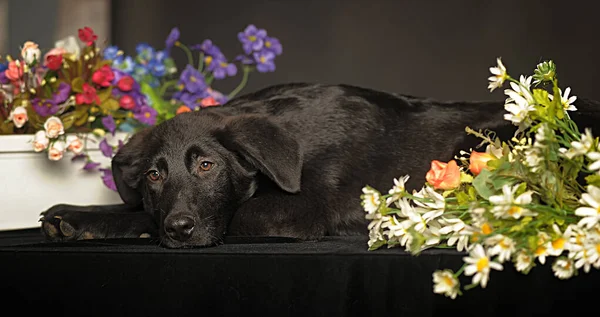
(287,161)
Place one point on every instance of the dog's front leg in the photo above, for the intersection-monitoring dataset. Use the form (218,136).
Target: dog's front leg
(280,215)
(69,222)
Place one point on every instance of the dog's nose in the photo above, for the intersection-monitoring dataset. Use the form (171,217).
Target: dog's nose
(179,227)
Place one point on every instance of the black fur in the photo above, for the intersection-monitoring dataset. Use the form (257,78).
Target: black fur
(289,161)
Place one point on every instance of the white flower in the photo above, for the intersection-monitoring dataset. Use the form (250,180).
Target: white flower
(518,110)
(583,259)
(522,89)
(396,231)
(591,214)
(370,200)
(455,226)
(563,268)
(432,233)
(523,261)
(56,151)
(493,150)
(594,156)
(499,77)
(74,144)
(69,44)
(561,242)
(40,141)
(480,265)
(374,227)
(445,283)
(434,203)
(398,188)
(542,249)
(506,206)
(580,147)
(54,127)
(416,221)
(565,100)
(30,52)
(502,246)
(18,116)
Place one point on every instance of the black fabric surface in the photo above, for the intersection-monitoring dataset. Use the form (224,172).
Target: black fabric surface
(263,277)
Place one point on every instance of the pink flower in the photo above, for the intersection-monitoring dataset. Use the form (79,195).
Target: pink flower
(53,59)
(15,71)
(74,144)
(54,127)
(18,116)
(40,141)
(56,151)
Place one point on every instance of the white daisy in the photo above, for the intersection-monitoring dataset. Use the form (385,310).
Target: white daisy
(580,147)
(561,242)
(595,157)
(523,261)
(455,226)
(565,100)
(518,110)
(499,77)
(432,234)
(563,268)
(583,259)
(507,206)
(502,246)
(445,283)
(522,89)
(397,190)
(591,214)
(542,249)
(480,264)
(396,232)
(370,200)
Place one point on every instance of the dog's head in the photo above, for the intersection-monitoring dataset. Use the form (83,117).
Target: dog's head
(193,171)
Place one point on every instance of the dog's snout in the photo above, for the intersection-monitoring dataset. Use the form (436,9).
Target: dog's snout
(179,227)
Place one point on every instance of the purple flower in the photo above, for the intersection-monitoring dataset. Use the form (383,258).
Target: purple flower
(62,94)
(107,179)
(252,38)
(44,108)
(106,148)
(264,61)
(146,114)
(192,80)
(208,48)
(245,59)
(171,39)
(3,79)
(223,69)
(109,124)
(90,166)
(272,44)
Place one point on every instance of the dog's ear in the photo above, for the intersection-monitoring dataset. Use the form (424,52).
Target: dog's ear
(127,167)
(269,148)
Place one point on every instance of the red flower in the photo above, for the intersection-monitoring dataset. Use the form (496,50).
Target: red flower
(88,96)
(125,83)
(208,102)
(54,62)
(103,76)
(126,102)
(87,35)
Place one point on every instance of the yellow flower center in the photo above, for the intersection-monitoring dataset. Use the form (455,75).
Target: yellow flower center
(559,243)
(449,281)
(223,64)
(486,228)
(483,263)
(514,210)
(598,210)
(252,38)
(579,239)
(193,79)
(503,244)
(267,44)
(568,265)
(147,114)
(208,60)
(540,250)
(373,201)
(598,247)
(263,59)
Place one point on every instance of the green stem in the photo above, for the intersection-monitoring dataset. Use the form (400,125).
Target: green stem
(242,84)
(166,85)
(187,51)
(209,79)
(459,272)
(201,62)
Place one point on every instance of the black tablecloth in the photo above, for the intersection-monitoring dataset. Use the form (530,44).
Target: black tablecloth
(333,277)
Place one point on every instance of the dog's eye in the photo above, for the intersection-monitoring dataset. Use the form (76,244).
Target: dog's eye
(206,165)
(153,176)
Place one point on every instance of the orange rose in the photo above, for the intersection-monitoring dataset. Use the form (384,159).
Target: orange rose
(183,109)
(443,175)
(478,161)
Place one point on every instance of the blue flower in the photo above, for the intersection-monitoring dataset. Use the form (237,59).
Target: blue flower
(3,67)
(264,61)
(157,68)
(171,39)
(112,53)
(145,52)
(223,69)
(126,64)
(192,80)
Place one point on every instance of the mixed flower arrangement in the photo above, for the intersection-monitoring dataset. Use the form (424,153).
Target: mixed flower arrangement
(78,92)
(518,201)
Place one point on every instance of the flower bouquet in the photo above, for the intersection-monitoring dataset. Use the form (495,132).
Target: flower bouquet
(78,92)
(518,201)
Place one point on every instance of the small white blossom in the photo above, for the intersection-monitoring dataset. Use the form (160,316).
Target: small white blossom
(591,214)
(563,268)
(480,265)
(370,200)
(502,246)
(561,242)
(523,261)
(445,283)
(580,147)
(518,110)
(507,206)
(398,188)
(499,75)
(565,100)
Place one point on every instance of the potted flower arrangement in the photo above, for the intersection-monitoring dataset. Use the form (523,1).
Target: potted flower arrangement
(517,201)
(83,101)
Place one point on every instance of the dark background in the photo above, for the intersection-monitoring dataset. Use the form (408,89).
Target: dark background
(439,49)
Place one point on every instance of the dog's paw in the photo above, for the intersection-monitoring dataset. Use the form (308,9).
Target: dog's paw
(60,223)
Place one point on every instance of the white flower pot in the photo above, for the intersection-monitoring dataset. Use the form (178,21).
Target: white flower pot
(30,183)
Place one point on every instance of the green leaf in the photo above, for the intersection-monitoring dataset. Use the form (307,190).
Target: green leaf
(68,121)
(110,105)
(465,178)
(157,102)
(593,179)
(521,189)
(77,84)
(104,94)
(378,244)
(472,193)
(462,198)
(483,184)
(541,97)
(447,193)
